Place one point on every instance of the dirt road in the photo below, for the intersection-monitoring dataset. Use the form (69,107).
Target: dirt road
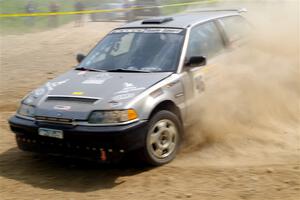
(248,149)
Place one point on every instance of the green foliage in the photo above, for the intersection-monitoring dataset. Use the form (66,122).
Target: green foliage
(32,24)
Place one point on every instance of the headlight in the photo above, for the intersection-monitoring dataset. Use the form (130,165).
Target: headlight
(26,110)
(112,117)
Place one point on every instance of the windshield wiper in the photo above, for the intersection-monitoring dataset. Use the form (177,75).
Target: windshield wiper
(89,69)
(128,70)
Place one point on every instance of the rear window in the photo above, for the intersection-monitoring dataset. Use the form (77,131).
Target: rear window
(235,27)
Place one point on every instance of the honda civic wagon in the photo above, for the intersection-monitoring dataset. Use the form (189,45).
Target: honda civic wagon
(133,93)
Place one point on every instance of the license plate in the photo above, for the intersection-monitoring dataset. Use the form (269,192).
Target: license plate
(51,133)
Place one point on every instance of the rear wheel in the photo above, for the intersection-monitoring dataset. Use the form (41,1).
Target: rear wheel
(163,138)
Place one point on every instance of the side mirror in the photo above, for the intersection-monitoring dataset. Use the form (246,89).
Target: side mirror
(196,61)
(80,57)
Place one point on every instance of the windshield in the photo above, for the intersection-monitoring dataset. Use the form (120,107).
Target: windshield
(151,50)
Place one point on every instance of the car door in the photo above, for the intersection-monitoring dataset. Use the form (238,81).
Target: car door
(204,40)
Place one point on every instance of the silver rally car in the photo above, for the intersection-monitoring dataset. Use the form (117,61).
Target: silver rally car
(134,92)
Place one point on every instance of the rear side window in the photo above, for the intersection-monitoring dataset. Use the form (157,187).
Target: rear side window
(235,27)
(205,40)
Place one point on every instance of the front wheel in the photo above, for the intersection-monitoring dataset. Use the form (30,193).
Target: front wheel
(163,138)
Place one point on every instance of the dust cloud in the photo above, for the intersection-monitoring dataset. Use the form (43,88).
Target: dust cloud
(250,109)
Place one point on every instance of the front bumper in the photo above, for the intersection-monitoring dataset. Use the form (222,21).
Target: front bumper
(79,141)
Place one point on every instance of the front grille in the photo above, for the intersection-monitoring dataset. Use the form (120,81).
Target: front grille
(54,120)
(87,100)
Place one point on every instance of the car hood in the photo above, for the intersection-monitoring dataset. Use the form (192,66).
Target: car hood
(76,93)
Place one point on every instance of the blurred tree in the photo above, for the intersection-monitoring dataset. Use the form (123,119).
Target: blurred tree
(79,6)
(53,19)
(30,7)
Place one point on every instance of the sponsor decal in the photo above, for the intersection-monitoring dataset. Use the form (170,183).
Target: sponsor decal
(156,93)
(78,93)
(172,84)
(39,92)
(51,85)
(115,104)
(200,85)
(123,96)
(61,107)
(81,73)
(128,88)
(98,79)
(148,30)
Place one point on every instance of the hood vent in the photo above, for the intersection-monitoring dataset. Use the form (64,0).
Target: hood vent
(76,99)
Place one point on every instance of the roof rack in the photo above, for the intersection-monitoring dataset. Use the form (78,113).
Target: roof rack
(157,20)
(240,10)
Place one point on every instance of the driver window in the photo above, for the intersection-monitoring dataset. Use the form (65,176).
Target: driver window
(205,40)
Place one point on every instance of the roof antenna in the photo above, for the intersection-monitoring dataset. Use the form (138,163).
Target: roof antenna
(241,10)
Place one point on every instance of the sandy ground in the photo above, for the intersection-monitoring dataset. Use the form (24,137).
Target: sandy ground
(246,150)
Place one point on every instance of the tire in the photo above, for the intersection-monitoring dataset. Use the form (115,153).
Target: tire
(163,138)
